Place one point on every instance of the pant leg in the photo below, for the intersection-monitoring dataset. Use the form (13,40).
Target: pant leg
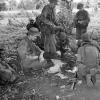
(93,79)
(93,75)
(47,44)
(78,33)
(52,44)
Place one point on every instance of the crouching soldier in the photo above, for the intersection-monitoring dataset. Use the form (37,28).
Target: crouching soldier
(30,55)
(62,42)
(88,59)
(81,21)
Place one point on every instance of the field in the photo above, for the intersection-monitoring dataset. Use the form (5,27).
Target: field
(45,86)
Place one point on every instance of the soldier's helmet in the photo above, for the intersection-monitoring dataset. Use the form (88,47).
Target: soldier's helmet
(80,5)
(31,20)
(62,36)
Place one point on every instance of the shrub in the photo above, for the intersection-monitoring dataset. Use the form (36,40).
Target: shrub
(64,17)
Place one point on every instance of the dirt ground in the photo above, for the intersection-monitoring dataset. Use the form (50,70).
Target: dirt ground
(47,87)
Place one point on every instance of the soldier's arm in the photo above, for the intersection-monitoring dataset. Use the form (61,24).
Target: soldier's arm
(75,20)
(96,44)
(53,26)
(79,59)
(87,20)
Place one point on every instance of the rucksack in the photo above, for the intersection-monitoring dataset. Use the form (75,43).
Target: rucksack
(88,55)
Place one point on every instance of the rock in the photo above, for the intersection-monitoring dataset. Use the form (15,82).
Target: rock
(62,76)
(56,67)
(57,97)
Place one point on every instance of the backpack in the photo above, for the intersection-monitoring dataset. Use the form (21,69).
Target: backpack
(88,55)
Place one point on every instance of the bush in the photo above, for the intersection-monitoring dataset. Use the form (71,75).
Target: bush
(3,7)
(53,1)
(64,18)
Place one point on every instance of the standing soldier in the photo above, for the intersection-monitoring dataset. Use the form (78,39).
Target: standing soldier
(81,21)
(47,25)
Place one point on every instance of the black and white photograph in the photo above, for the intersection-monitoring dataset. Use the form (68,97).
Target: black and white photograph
(49,49)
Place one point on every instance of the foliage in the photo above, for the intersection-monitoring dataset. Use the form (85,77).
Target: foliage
(12,5)
(34,4)
(2,6)
(64,17)
(27,5)
(53,1)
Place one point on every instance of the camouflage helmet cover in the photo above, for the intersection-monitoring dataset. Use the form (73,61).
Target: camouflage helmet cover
(80,5)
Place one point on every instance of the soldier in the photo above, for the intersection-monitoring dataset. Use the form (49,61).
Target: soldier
(48,28)
(62,42)
(81,21)
(31,24)
(88,58)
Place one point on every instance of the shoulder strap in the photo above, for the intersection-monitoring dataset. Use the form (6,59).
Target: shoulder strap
(83,59)
(97,61)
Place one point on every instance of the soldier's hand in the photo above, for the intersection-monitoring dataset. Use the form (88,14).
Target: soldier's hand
(61,29)
(80,22)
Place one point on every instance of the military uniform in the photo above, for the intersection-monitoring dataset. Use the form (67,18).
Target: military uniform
(88,58)
(81,22)
(48,28)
